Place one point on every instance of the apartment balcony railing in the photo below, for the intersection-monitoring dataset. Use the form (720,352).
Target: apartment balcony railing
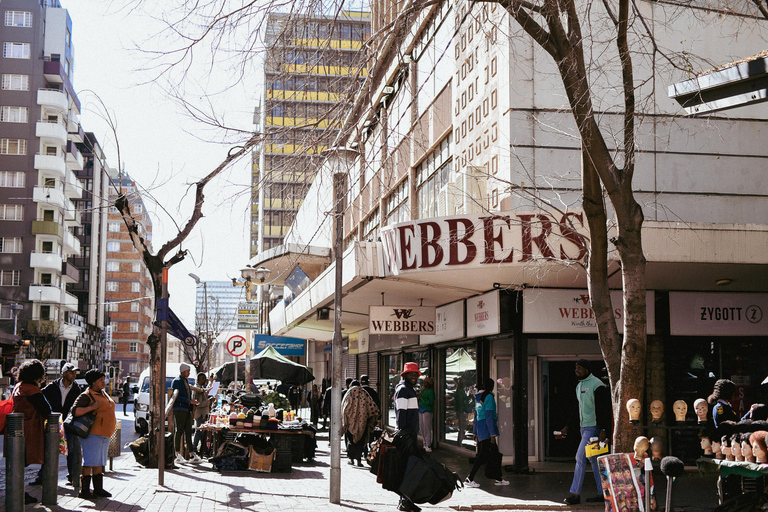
(53,99)
(52,132)
(45,293)
(47,227)
(55,165)
(73,188)
(45,261)
(71,244)
(68,301)
(74,158)
(69,272)
(49,196)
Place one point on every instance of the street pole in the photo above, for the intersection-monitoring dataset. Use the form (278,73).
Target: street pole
(339,165)
(163,355)
(207,338)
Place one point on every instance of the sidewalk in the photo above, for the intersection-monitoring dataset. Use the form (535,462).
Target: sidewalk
(199,488)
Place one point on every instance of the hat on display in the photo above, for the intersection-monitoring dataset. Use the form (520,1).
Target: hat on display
(183,367)
(68,367)
(411,367)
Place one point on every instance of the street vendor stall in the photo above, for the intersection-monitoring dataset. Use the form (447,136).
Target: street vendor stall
(752,474)
(267,364)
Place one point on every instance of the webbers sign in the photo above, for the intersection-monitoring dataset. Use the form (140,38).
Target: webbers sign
(401,320)
(484,239)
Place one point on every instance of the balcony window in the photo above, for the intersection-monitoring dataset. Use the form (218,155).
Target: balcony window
(10,245)
(5,312)
(11,212)
(14,114)
(47,247)
(18,19)
(48,215)
(51,151)
(13,179)
(16,50)
(15,82)
(45,312)
(13,147)
(10,277)
(45,279)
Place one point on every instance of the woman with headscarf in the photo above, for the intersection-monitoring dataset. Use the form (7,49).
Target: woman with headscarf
(359,414)
(28,399)
(96,446)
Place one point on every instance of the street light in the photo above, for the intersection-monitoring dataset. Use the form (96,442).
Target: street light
(205,304)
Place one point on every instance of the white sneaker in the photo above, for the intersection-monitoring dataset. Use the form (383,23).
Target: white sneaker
(501,482)
(427,449)
(179,460)
(195,459)
(471,483)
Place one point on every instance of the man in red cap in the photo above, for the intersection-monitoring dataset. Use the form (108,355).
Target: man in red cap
(407,415)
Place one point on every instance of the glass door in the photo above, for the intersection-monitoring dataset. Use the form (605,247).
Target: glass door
(504,380)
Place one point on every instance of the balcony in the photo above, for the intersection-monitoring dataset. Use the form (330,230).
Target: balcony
(70,331)
(45,293)
(69,273)
(53,99)
(71,244)
(47,227)
(68,301)
(53,132)
(72,186)
(49,196)
(73,121)
(45,261)
(53,165)
(71,216)
(76,134)
(74,158)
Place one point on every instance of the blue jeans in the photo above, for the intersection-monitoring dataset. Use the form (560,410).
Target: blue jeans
(581,462)
(70,456)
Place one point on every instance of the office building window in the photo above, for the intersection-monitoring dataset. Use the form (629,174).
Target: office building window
(5,312)
(136,267)
(133,346)
(135,306)
(10,277)
(11,212)
(13,147)
(15,83)
(138,208)
(114,227)
(16,50)
(14,114)
(113,246)
(13,179)
(113,286)
(10,244)
(18,19)
(134,326)
(135,287)
(113,266)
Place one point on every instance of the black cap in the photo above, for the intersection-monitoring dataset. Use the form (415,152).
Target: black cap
(585,364)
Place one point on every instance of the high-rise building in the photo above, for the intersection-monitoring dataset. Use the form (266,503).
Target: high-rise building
(221,310)
(129,290)
(314,64)
(39,130)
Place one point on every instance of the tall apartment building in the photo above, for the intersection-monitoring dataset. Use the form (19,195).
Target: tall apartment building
(312,68)
(39,132)
(221,310)
(129,290)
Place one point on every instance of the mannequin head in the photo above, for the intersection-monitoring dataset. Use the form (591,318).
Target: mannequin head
(706,444)
(736,447)
(717,449)
(680,409)
(701,408)
(726,447)
(746,448)
(641,447)
(759,449)
(633,408)
(657,409)
(656,448)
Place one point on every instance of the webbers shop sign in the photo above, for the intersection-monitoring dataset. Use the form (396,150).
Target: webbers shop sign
(479,240)
(401,320)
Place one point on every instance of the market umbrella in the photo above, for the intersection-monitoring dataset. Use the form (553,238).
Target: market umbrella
(269,364)
(459,362)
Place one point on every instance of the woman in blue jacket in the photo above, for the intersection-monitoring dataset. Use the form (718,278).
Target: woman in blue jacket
(486,433)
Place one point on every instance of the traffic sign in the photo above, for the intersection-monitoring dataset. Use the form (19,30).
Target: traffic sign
(15,371)
(236,345)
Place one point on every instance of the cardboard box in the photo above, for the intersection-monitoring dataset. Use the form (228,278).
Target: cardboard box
(260,462)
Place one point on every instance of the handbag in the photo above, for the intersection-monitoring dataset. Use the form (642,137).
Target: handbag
(80,426)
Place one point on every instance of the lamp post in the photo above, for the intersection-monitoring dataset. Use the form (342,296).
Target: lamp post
(340,161)
(251,276)
(205,315)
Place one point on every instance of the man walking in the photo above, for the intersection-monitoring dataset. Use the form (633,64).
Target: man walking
(182,414)
(126,395)
(407,415)
(365,382)
(594,408)
(61,394)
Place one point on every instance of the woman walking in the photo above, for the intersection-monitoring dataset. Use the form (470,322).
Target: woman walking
(29,400)
(315,405)
(426,410)
(486,433)
(95,447)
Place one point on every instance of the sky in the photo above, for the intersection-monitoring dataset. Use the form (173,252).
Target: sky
(161,147)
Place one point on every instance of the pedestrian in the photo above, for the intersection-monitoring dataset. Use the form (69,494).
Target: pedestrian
(126,395)
(182,414)
(200,411)
(61,394)
(366,384)
(28,399)
(95,447)
(359,414)
(407,415)
(426,410)
(462,406)
(486,434)
(315,405)
(327,406)
(594,410)
(720,402)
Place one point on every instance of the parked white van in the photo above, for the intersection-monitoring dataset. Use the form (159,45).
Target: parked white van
(141,393)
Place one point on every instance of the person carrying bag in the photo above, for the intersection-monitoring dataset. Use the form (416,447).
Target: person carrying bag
(486,433)
(80,426)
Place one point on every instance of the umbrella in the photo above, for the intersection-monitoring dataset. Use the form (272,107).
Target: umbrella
(459,362)
(267,364)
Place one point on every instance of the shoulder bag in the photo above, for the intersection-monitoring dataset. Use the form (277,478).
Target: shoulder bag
(80,426)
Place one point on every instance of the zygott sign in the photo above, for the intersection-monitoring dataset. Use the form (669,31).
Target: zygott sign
(444,243)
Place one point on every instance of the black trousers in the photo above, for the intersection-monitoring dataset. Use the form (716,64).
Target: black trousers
(487,454)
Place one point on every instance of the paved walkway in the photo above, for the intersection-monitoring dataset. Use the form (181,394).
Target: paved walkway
(200,488)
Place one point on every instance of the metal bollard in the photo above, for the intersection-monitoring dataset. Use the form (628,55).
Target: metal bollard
(77,462)
(51,460)
(14,462)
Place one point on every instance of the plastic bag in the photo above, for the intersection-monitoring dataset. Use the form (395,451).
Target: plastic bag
(63,449)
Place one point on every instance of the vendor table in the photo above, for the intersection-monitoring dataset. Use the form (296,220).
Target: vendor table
(755,473)
(289,443)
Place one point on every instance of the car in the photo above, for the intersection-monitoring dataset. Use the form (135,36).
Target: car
(141,392)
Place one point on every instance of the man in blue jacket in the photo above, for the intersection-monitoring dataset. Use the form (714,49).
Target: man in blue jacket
(182,414)
(407,415)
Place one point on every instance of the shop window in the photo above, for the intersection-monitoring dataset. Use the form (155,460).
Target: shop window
(394,365)
(460,385)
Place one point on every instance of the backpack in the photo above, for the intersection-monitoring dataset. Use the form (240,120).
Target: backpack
(6,407)
(426,480)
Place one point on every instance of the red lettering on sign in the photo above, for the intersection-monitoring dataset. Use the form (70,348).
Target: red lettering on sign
(540,240)
(405,247)
(454,241)
(572,236)
(433,243)
(492,238)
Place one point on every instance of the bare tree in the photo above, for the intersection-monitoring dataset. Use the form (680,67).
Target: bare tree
(210,323)
(44,338)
